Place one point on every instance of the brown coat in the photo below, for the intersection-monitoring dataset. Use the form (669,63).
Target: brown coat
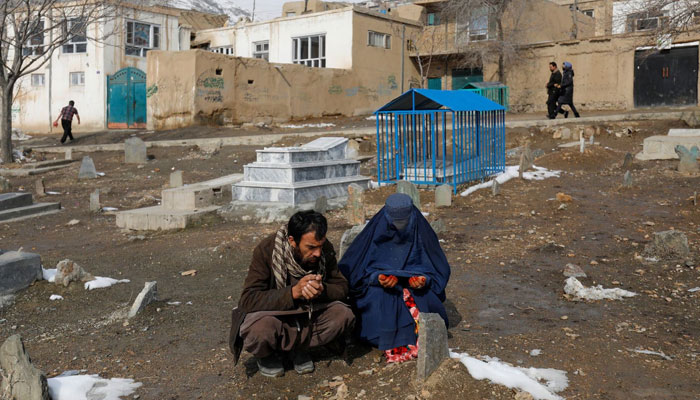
(260,294)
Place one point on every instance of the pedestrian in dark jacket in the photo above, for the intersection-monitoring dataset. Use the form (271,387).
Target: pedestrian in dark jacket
(553,90)
(66,117)
(566,94)
(292,298)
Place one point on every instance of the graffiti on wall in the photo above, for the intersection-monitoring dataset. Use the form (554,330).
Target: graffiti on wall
(335,89)
(392,82)
(210,88)
(151,90)
(15,113)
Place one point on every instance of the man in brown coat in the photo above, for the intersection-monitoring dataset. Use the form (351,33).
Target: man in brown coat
(292,298)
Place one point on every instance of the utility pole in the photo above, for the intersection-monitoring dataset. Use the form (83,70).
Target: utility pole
(253,16)
(574,33)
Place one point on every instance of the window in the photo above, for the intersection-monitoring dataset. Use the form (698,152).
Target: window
(77,78)
(309,51)
(37,79)
(291,14)
(377,39)
(644,21)
(590,13)
(75,30)
(35,44)
(479,25)
(140,38)
(228,50)
(432,19)
(261,50)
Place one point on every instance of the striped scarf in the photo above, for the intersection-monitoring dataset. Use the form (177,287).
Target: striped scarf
(284,264)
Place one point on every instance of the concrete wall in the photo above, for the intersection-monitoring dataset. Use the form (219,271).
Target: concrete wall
(36,107)
(602,13)
(210,88)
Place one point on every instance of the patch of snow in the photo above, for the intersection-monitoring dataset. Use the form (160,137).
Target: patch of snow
(100,173)
(52,193)
(371,118)
(83,387)
(49,274)
(535,352)
(653,353)
(541,383)
(425,214)
(109,209)
(511,172)
(174,303)
(301,126)
(651,259)
(55,297)
(575,288)
(103,282)
(19,135)
(693,290)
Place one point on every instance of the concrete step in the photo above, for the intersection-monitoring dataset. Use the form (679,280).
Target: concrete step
(322,149)
(14,200)
(299,172)
(295,193)
(199,195)
(28,211)
(47,163)
(30,171)
(158,218)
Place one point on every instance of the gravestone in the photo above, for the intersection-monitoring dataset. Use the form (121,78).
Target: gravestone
(95,201)
(353,150)
(573,270)
(627,179)
(495,188)
(432,344)
(321,205)
(668,245)
(688,159)
(591,140)
(135,151)
(5,186)
(537,153)
(443,196)
(148,294)
(526,160)
(175,179)
(438,226)
(69,154)
(87,169)
(39,185)
(356,204)
(20,379)
(627,164)
(410,189)
(349,237)
(18,270)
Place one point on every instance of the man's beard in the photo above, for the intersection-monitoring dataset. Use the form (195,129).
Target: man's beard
(308,264)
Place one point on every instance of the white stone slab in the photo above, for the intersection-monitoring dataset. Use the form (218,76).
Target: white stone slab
(684,132)
(664,147)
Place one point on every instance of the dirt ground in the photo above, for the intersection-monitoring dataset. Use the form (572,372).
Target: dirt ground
(505,295)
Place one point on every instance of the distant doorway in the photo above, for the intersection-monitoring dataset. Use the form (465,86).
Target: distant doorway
(666,78)
(464,76)
(435,83)
(126,99)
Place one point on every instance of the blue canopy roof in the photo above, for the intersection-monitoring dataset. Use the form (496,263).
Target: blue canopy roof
(429,99)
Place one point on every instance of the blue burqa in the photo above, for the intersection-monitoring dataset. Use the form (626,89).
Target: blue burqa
(397,241)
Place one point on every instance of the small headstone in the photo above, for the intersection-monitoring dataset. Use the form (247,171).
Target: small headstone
(691,118)
(526,160)
(575,134)
(688,159)
(589,131)
(668,245)
(39,185)
(321,205)
(432,344)
(69,154)
(87,169)
(627,164)
(591,140)
(20,379)
(410,189)
(495,188)
(582,145)
(443,196)
(356,204)
(147,295)
(352,151)
(537,153)
(565,133)
(573,270)
(5,186)
(68,271)
(18,270)
(135,151)
(95,201)
(349,237)
(627,180)
(438,226)
(175,179)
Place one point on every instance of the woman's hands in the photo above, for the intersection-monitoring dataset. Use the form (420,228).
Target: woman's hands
(389,281)
(416,282)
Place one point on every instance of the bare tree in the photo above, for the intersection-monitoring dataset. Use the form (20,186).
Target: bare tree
(30,32)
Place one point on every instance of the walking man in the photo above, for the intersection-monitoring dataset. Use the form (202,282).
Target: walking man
(66,117)
(553,90)
(292,298)
(566,94)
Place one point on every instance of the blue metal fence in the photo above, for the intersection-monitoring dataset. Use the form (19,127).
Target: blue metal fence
(439,145)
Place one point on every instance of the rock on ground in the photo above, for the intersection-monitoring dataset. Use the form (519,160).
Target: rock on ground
(68,271)
(668,245)
(147,295)
(20,379)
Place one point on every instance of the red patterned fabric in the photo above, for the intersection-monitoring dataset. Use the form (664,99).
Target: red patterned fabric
(405,353)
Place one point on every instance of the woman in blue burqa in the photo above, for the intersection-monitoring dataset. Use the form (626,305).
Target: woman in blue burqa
(396,270)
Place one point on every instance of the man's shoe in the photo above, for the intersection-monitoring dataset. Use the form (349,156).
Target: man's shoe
(303,363)
(566,114)
(270,366)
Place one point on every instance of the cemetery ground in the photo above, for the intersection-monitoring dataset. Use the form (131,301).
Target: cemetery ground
(505,295)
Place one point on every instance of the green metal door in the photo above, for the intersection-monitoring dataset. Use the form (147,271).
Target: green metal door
(435,83)
(126,99)
(462,77)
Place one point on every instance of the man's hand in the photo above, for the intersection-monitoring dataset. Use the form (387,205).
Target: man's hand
(416,282)
(309,287)
(388,282)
